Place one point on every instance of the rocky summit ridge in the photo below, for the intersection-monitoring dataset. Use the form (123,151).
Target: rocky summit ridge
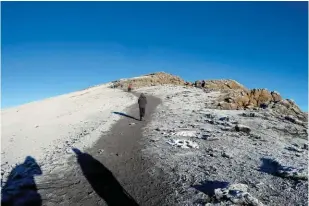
(234,96)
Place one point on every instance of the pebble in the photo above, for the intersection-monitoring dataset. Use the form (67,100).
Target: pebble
(227,155)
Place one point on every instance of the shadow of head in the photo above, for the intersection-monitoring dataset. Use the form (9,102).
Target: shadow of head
(102,180)
(124,115)
(208,187)
(20,187)
(269,166)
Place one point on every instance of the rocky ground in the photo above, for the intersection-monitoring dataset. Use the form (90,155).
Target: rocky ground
(204,149)
(189,151)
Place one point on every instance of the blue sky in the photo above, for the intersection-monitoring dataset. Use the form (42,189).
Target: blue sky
(52,48)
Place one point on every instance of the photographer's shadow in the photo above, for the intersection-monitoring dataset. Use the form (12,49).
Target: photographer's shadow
(102,181)
(20,187)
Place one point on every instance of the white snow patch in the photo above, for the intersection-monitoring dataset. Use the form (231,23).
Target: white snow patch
(183,143)
(185,133)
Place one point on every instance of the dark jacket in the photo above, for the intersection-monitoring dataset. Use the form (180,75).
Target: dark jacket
(142,101)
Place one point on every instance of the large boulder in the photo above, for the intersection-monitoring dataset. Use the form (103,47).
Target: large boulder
(276,96)
(259,96)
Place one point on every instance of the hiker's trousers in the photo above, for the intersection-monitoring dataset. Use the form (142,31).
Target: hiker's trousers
(142,111)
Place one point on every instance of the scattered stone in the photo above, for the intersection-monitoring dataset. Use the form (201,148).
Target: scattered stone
(226,155)
(224,119)
(36,126)
(237,194)
(207,137)
(289,172)
(305,146)
(290,118)
(158,129)
(186,133)
(293,149)
(182,143)
(249,114)
(293,120)
(224,128)
(256,137)
(132,123)
(209,116)
(242,128)
(100,151)
(292,172)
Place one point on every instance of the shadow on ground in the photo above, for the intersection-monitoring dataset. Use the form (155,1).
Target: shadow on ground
(208,187)
(103,181)
(268,166)
(125,115)
(20,187)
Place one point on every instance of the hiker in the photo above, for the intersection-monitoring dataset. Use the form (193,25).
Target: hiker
(203,83)
(142,101)
(130,88)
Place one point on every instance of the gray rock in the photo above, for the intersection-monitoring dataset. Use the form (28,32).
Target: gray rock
(224,128)
(293,149)
(242,128)
(292,172)
(224,119)
(209,116)
(293,120)
(251,114)
(237,194)
(226,155)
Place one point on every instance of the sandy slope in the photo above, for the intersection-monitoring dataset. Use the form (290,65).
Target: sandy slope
(46,128)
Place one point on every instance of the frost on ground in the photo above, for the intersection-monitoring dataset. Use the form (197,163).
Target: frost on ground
(234,147)
(48,129)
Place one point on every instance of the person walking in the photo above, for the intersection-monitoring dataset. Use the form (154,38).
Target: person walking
(203,83)
(142,101)
(130,87)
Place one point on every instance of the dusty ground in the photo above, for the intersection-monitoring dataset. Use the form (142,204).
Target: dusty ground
(137,163)
(112,172)
(47,129)
(224,156)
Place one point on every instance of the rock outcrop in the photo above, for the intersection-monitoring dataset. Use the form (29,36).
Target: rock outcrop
(259,98)
(223,84)
(235,95)
(154,79)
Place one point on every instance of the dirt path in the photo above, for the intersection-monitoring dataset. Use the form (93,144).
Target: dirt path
(113,172)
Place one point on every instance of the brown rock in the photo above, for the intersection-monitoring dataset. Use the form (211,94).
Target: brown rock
(276,96)
(224,84)
(260,96)
(154,79)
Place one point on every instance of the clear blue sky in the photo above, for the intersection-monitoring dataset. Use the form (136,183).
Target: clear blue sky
(52,48)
